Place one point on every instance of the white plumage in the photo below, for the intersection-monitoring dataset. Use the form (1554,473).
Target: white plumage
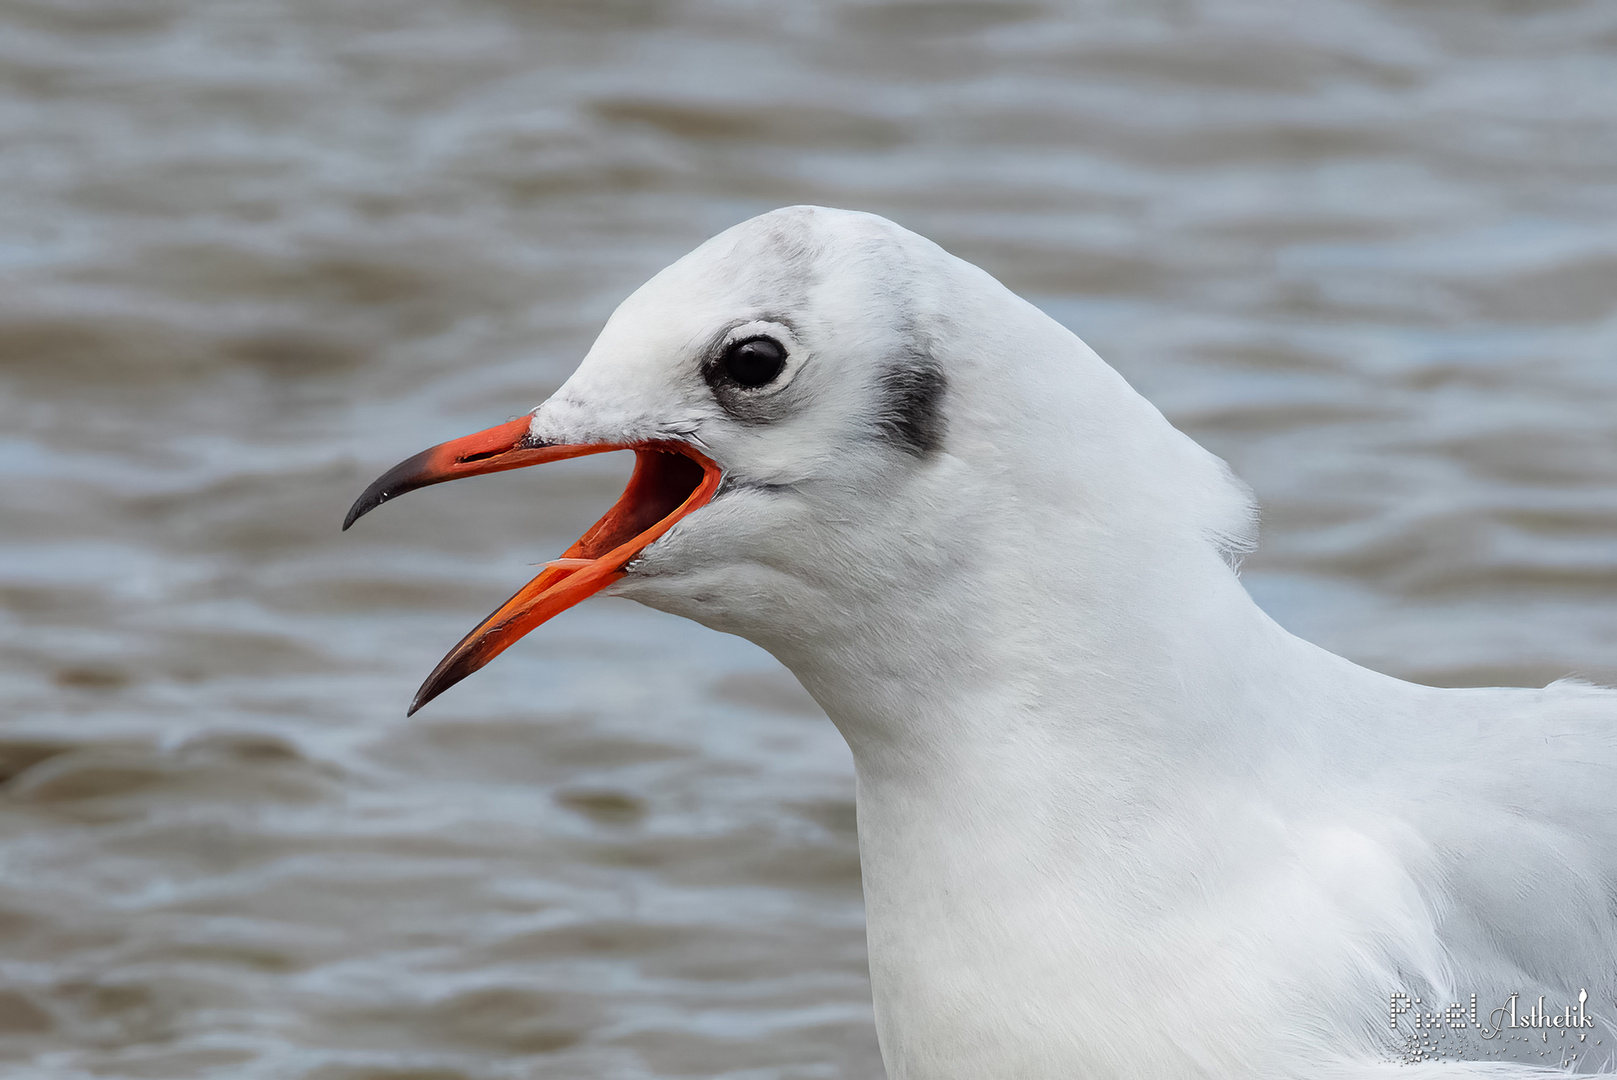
(1114,821)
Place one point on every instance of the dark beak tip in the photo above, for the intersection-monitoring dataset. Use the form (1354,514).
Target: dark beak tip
(362,506)
(450,670)
(407,475)
(429,690)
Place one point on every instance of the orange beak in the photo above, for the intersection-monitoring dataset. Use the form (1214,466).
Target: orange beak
(670,481)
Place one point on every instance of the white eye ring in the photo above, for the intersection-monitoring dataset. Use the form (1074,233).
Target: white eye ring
(731,378)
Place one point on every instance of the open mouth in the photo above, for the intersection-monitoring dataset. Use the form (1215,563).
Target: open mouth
(671,480)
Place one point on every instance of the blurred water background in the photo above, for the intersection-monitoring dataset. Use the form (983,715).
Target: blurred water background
(254,251)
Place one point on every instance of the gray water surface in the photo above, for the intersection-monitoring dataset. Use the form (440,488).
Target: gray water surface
(253,253)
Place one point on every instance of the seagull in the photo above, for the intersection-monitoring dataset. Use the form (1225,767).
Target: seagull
(1113,820)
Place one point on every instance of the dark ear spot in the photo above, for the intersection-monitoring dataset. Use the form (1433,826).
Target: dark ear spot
(909,407)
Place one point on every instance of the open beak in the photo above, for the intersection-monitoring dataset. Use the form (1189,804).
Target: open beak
(670,481)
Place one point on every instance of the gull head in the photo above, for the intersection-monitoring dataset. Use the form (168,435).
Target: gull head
(844,436)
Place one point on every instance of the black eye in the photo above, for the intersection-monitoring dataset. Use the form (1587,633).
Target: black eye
(755,361)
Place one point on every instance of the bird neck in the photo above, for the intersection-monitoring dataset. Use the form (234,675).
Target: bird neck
(1031,683)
